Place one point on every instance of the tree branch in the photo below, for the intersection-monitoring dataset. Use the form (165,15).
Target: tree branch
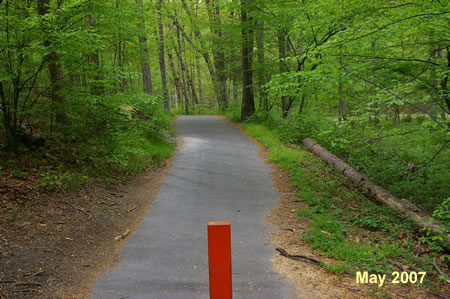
(395,22)
(388,58)
(396,96)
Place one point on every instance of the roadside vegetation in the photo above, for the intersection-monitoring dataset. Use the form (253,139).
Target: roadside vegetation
(73,106)
(359,234)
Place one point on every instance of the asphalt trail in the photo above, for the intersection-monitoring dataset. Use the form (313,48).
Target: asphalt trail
(216,175)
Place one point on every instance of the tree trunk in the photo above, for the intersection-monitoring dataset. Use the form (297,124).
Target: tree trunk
(248,103)
(199,78)
(176,79)
(396,116)
(8,122)
(373,191)
(97,87)
(376,119)
(341,108)
(191,84)
(286,103)
(444,82)
(219,56)
(341,104)
(205,53)
(189,75)
(56,72)
(146,75)
(197,63)
(235,90)
(162,62)
(120,60)
(261,77)
(121,54)
(302,104)
(182,73)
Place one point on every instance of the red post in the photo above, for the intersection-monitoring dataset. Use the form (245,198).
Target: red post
(219,255)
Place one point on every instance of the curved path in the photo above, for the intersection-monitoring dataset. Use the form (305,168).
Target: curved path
(216,175)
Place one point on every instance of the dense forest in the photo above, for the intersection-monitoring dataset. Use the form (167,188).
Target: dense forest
(367,79)
(88,88)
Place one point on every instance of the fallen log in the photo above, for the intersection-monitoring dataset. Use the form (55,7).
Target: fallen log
(375,192)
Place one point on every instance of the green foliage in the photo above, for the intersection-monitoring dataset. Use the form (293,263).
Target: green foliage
(442,212)
(372,222)
(127,140)
(15,216)
(110,208)
(319,204)
(50,178)
(382,152)
(73,181)
(442,215)
(298,127)
(18,173)
(233,111)
(339,215)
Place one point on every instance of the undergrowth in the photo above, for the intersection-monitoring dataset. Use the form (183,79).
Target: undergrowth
(411,161)
(358,233)
(107,137)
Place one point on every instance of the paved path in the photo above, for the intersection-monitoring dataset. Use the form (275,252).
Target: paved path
(216,175)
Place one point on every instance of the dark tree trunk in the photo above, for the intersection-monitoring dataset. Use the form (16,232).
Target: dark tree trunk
(261,77)
(162,61)
(248,103)
(302,105)
(286,103)
(146,75)
(182,73)
(97,87)
(10,125)
(56,72)
(444,82)
(56,77)
(396,116)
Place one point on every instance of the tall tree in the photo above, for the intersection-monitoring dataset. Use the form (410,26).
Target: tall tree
(175,77)
(55,71)
(218,53)
(248,102)
(183,72)
(162,61)
(261,73)
(97,86)
(146,75)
